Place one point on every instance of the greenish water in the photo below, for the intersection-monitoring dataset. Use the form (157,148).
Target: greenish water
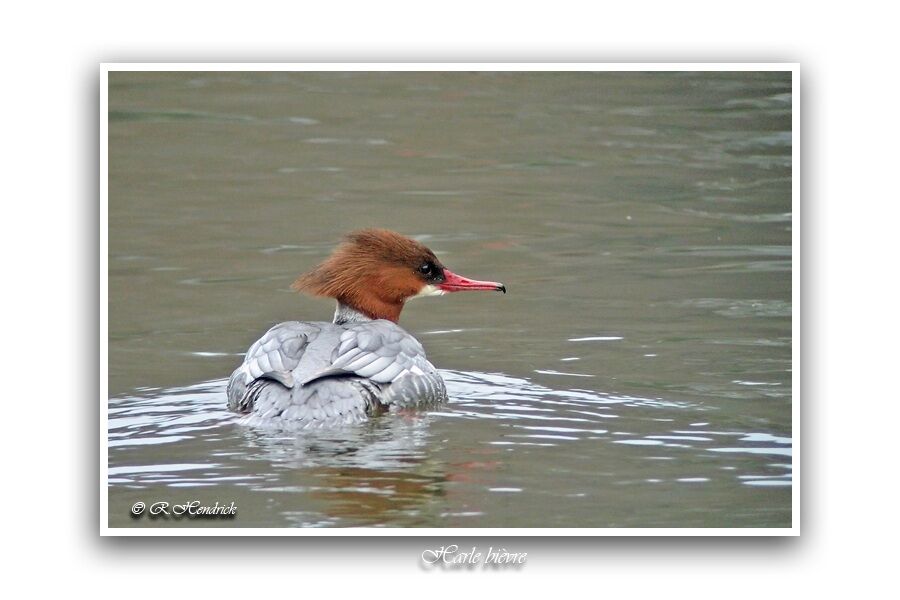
(638,372)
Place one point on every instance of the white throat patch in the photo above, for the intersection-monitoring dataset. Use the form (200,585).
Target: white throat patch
(429,290)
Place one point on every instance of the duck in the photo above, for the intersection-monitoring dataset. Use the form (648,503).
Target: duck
(303,374)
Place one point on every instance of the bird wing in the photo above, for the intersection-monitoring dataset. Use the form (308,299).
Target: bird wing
(378,350)
(278,352)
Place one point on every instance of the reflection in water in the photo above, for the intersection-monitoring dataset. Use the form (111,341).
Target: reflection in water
(361,474)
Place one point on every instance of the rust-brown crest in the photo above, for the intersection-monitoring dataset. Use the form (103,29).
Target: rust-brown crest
(372,271)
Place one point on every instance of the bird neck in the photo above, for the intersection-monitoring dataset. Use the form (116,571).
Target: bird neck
(367,308)
(347,314)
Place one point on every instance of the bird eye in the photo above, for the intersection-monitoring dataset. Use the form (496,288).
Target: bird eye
(426,269)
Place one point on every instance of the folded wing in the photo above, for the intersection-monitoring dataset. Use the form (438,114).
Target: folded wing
(377,350)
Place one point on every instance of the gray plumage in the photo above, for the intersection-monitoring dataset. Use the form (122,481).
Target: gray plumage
(303,374)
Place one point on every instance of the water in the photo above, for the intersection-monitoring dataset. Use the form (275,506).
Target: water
(638,372)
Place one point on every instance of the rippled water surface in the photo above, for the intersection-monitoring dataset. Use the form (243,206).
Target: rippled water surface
(638,372)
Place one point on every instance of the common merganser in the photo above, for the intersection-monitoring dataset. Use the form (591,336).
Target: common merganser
(301,374)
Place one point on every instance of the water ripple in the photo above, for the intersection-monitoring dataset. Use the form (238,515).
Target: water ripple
(525,415)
